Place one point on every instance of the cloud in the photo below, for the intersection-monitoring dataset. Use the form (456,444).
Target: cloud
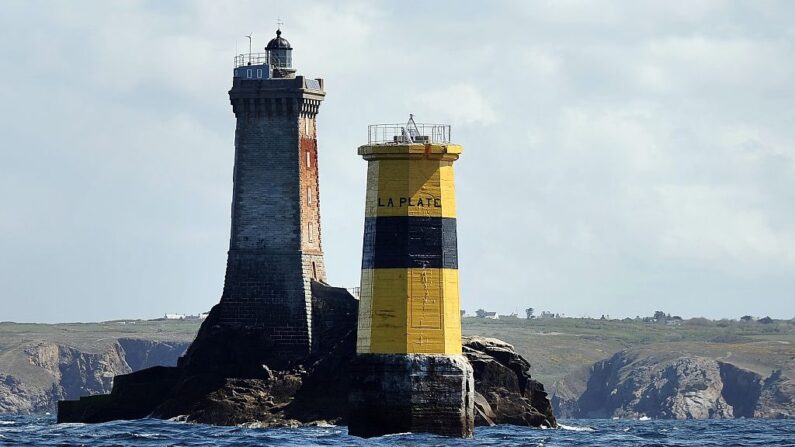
(721,227)
(615,159)
(458,103)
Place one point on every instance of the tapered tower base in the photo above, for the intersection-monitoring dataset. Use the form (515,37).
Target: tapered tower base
(418,393)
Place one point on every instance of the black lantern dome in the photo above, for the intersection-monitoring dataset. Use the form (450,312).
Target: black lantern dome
(278,42)
(279,52)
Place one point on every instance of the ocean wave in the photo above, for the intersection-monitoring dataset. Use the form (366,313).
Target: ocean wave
(575,428)
(44,432)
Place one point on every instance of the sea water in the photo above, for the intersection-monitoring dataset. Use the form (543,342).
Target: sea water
(43,431)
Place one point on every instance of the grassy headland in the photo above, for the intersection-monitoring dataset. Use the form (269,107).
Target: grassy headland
(556,347)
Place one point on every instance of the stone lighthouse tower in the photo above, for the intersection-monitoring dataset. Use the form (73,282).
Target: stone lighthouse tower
(409,374)
(275,249)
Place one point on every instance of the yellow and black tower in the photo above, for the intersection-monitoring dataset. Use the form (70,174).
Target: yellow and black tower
(409,375)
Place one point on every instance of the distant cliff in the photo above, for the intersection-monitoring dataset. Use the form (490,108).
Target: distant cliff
(655,370)
(36,374)
(673,385)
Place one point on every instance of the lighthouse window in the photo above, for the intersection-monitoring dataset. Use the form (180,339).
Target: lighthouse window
(259,73)
(248,73)
(309,232)
(309,196)
(306,126)
(308,160)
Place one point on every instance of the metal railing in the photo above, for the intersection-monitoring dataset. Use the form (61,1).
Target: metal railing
(355,291)
(242,60)
(408,133)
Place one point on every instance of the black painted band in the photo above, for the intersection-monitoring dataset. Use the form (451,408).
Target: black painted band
(410,242)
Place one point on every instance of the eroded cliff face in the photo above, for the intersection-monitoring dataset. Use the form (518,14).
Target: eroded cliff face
(35,376)
(18,397)
(140,354)
(630,385)
(776,398)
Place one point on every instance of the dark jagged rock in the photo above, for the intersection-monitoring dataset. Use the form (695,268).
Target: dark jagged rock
(227,378)
(229,350)
(506,393)
(242,401)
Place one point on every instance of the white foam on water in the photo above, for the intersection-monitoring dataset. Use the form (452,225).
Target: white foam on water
(179,418)
(7,423)
(397,434)
(71,424)
(574,428)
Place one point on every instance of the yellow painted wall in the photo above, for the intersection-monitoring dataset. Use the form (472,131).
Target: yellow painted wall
(419,180)
(410,310)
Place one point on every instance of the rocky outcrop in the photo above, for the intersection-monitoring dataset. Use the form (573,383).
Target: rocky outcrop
(217,382)
(34,377)
(228,376)
(505,393)
(633,385)
(317,393)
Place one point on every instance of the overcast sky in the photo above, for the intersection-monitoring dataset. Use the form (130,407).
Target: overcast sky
(619,157)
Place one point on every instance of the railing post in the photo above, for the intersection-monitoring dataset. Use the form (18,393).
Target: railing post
(400,133)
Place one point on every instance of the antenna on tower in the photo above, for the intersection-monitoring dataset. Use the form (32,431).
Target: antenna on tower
(279,23)
(411,128)
(249,46)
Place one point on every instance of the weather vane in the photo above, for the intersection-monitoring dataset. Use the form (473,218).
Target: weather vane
(279,23)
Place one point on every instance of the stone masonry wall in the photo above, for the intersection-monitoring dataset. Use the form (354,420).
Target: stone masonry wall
(273,256)
(311,241)
(310,191)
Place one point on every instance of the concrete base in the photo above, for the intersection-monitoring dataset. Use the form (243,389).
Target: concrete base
(399,393)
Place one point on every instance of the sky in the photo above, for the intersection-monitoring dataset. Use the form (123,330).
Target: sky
(619,158)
